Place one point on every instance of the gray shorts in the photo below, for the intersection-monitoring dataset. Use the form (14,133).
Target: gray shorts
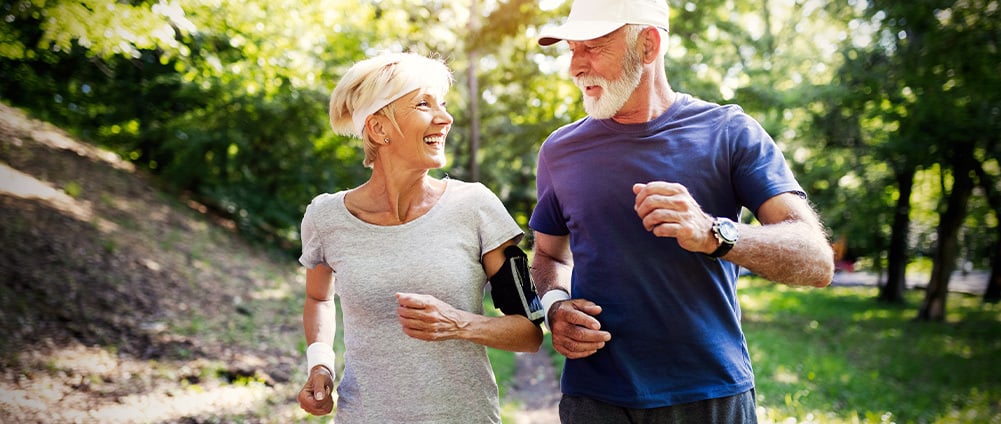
(739,408)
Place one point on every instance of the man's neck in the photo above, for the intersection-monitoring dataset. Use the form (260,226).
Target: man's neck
(652,97)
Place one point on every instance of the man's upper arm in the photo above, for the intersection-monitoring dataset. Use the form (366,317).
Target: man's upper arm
(552,262)
(787,207)
(553,248)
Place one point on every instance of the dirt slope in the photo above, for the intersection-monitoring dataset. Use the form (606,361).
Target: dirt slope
(118,304)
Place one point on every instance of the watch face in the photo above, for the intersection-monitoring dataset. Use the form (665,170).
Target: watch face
(728,230)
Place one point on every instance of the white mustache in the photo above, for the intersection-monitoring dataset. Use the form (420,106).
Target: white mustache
(589,81)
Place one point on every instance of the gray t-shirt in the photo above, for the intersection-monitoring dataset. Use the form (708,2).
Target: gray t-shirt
(390,377)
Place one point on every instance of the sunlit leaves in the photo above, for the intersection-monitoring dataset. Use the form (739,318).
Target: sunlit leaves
(174,83)
(107,27)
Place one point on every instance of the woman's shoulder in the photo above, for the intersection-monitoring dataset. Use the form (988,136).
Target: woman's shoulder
(325,200)
(471,196)
(465,190)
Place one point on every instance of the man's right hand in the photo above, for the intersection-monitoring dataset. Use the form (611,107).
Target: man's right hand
(315,395)
(576,333)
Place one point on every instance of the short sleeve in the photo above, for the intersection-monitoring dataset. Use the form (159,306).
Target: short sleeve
(547,217)
(761,171)
(496,225)
(312,245)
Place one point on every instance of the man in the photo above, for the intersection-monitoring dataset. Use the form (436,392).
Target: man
(638,218)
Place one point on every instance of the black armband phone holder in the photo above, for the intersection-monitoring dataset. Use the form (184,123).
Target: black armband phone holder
(513,289)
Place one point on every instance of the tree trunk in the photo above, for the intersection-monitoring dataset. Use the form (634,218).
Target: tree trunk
(896,277)
(993,293)
(933,307)
(474,97)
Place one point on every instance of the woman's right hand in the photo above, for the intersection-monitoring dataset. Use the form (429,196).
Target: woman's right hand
(428,318)
(315,396)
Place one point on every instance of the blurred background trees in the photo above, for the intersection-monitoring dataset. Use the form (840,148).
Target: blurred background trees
(889,112)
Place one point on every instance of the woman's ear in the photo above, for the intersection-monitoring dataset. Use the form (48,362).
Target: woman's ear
(375,128)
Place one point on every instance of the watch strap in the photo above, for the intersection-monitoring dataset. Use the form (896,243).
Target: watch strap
(723,248)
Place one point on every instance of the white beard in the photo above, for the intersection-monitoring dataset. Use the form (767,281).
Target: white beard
(614,93)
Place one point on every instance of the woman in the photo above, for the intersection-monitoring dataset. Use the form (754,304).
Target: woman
(409,256)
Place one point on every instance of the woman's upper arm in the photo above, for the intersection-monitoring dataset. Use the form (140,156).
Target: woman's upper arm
(320,282)
(493,259)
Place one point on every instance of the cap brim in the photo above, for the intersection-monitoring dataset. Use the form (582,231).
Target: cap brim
(578,31)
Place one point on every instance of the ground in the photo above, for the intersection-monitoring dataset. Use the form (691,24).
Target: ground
(119,303)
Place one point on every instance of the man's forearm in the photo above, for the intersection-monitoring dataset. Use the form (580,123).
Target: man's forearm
(550,274)
(794,253)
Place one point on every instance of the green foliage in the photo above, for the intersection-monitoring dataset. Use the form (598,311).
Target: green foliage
(226,100)
(912,92)
(518,108)
(503,364)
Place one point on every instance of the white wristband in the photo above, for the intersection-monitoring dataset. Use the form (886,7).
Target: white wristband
(320,354)
(551,297)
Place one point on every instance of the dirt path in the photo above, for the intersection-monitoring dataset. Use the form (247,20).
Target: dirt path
(973,282)
(536,388)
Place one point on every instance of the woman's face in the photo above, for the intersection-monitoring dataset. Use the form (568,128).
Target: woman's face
(424,123)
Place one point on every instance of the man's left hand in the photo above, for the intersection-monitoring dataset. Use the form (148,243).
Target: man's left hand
(669,210)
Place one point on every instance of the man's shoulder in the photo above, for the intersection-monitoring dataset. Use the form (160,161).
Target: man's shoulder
(568,132)
(694,105)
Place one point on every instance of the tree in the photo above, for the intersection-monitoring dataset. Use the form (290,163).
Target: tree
(197,93)
(989,184)
(942,95)
(968,81)
(225,101)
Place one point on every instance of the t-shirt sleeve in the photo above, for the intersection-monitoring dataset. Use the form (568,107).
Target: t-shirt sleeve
(760,170)
(496,224)
(312,248)
(547,217)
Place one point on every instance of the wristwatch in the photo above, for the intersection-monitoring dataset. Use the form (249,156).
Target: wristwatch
(726,233)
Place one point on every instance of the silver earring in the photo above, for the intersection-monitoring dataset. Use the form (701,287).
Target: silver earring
(386,140)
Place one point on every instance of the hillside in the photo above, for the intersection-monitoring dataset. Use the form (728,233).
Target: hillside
(120,304)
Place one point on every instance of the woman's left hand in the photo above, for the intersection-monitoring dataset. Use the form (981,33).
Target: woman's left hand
(426,317)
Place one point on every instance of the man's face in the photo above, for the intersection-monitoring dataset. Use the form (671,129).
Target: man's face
(607,70)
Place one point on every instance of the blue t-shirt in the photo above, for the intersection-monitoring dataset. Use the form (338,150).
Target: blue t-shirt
(673,314)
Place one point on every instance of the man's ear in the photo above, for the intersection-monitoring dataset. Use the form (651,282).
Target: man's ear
(651,44)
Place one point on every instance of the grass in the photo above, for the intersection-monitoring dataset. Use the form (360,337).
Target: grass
(835,355)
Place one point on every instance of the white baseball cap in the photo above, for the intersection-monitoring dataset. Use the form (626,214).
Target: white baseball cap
(590,19)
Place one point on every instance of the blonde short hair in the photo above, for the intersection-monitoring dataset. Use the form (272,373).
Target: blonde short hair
(371,85)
